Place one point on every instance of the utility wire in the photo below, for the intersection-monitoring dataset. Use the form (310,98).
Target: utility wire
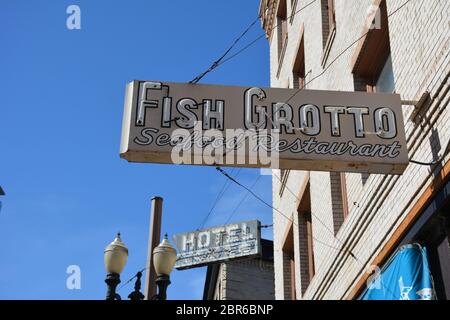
(243,199)
(298,199)
(262,35)
(220,195)
(222,58)
(442,157)
(323,224)
(300,89)
(249,190)
(215,65)
(435,162)
(329,65)
(349,252)
(218,61)
(341,54)
(131,279)
(277,210)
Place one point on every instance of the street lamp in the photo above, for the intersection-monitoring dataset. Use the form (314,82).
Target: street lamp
(164,258)
(115,256)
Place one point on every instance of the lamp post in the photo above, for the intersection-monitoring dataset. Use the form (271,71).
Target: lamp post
(2,193)
(137,295)
(115,256)
(164,258)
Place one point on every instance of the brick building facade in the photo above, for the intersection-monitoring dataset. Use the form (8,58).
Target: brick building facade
(245,279)
(344,224)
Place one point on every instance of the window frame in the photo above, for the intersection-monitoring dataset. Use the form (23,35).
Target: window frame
(306,233)
(282,32)
(298,64)
(288,253)
(331,32)
(293,11)
(372,52)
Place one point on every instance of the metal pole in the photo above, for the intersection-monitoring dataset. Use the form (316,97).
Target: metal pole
(112,280)
(163,282)
(153,241)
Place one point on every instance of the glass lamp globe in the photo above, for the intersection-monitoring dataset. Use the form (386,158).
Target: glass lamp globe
(164,257)
(116,255)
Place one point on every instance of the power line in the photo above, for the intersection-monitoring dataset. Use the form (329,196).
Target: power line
(341,54)
(276,26)
(262,36)
(318,219)
(300,89)
(442,157)
(329,65)
(131,279)
(349,252)
(243,199)
(435,162)
(222,59)
(277,210)
(219,196)
(217,62)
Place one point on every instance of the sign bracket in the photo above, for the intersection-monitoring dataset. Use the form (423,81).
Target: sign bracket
(418,106)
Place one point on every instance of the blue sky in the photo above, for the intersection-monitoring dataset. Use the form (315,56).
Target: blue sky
(67,190)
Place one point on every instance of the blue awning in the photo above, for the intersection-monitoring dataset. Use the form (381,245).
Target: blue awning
(406,276)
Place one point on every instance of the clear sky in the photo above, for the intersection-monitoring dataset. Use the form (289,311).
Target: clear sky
(62,91)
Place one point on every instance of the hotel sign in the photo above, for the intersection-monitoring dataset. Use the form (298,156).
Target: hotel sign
(182,123)
(218,244)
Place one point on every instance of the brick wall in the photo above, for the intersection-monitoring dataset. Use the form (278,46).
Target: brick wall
(419,40)
(247,280)
(337,205)
(287,277)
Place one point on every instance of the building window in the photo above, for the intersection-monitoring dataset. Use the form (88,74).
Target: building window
(289,266)
(328,27)
(282,29)
(381,82)
(307,269)
(385,81)
(339,202)
(298,70)
(298,82)
(284,174)
(371,62)
(293,10)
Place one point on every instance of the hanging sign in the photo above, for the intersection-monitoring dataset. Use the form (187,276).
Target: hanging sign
(182,123)
(218,244)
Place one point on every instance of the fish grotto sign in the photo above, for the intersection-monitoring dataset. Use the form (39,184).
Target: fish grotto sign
(182,123)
